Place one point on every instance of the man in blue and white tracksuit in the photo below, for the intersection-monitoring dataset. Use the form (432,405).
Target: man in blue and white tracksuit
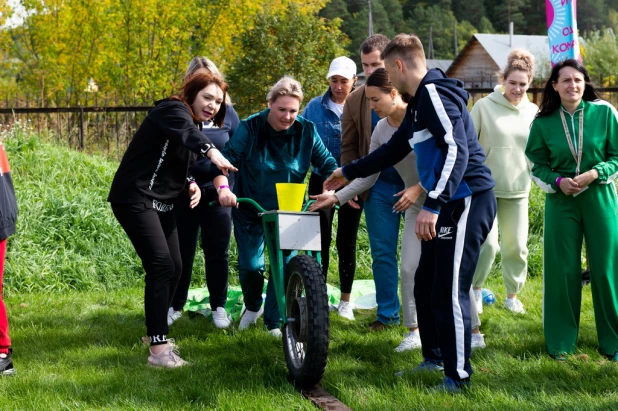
(459,210)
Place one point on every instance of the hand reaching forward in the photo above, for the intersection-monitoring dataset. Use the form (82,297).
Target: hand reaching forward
(335,180)
(408,197)
(221,162)
(325,200)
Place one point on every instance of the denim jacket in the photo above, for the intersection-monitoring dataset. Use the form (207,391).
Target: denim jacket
(327,123)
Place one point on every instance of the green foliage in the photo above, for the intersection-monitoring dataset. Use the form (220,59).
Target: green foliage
(600,53)
(293,43)
(67,237)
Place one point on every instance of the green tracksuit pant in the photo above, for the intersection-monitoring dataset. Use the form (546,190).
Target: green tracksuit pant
(593,216)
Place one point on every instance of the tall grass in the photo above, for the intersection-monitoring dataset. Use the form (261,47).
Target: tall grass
(67,237)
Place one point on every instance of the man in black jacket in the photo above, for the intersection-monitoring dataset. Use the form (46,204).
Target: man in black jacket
(458,212)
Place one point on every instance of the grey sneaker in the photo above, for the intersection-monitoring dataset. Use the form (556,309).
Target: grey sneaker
(249,318)
(220,318)
(345,310)
(478,341)
(514,305)
(173,316)
(168,358)
(275,332)
(410,342)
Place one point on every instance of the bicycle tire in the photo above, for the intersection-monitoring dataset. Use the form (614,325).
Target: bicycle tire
(306,335)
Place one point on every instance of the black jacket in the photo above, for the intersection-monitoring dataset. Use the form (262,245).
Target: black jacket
(156,164)
(8,204)
(438,126)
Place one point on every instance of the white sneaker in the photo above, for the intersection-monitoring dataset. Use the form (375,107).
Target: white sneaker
(275,332)
(514,305)
(410,342)
(168,358)
(345,310)
(220,318)
(250,317)
(478,341)
(478,299)
(172,316)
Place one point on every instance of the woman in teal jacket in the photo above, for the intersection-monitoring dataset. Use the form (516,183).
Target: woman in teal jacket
(272,146)
(573,145)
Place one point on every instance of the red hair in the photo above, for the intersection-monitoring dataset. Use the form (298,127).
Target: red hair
(196,83)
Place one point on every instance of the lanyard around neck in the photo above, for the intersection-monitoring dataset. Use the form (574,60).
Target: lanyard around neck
(580,141)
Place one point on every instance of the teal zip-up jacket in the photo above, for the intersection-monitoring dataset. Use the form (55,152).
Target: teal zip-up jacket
(264,157)
(549,150)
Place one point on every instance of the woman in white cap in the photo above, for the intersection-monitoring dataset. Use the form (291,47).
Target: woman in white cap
(325,111)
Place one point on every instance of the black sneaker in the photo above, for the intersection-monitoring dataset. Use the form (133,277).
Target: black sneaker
(6,365)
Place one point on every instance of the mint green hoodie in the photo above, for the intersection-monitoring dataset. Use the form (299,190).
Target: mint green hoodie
(503,133)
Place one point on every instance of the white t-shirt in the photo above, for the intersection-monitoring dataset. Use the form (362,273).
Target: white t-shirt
(337,108)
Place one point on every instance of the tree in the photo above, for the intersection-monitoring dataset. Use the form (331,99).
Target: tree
(600,54)
(293,42)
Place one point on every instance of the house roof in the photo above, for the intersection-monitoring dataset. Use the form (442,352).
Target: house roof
(498,47)
(441,64)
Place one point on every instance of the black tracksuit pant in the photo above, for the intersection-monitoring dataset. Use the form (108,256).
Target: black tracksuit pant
(215,224)
(444,277)
(154,236)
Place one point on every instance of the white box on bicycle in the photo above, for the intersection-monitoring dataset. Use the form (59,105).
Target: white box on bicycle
(299,231)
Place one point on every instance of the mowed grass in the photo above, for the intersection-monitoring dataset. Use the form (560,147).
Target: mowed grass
(74,297)
(81,350)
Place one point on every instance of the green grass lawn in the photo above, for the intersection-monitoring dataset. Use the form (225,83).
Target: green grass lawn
(81,350)
(73,287)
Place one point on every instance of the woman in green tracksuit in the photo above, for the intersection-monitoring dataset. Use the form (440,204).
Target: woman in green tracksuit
(573,145)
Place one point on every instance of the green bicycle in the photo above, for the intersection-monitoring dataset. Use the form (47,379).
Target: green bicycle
(300,289)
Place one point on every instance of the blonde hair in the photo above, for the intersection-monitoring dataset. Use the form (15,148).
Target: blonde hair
(518,60)
(201,62)
(287,86)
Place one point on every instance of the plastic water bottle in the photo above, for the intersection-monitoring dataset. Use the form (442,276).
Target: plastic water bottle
(488,296)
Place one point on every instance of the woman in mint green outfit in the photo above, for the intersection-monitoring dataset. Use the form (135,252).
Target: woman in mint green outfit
(502,121)
(573,145)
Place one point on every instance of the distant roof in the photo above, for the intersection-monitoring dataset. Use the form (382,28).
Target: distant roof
(441,64)
(498,47)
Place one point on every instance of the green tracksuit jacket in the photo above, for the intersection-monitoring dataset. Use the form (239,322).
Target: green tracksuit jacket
(592,215)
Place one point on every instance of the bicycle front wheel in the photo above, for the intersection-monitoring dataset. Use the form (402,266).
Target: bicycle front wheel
(306,334)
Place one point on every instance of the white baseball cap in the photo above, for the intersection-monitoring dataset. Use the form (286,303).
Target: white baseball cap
(342,66)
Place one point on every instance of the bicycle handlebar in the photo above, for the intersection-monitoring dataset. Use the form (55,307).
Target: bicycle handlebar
(259,207)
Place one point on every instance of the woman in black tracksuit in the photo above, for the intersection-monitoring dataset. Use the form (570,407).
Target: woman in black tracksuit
(153,173)
(214,222)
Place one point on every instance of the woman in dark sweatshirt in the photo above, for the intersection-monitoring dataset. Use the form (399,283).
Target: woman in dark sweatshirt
(153,173)
(214,222)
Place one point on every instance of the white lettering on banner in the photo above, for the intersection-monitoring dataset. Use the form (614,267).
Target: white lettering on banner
(154,175)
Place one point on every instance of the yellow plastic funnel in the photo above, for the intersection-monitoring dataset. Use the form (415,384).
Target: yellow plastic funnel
(290,196)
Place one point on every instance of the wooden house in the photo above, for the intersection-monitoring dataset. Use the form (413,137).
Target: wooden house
(484,55)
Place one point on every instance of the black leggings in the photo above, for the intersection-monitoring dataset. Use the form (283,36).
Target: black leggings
(347,231)
(215,224)
(155,239)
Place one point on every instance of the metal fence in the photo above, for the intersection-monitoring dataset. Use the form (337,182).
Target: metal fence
(108,128)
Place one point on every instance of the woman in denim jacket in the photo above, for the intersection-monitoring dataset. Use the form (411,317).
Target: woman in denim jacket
(325,112)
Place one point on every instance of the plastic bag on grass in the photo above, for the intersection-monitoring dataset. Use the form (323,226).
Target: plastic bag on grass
(363,295)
